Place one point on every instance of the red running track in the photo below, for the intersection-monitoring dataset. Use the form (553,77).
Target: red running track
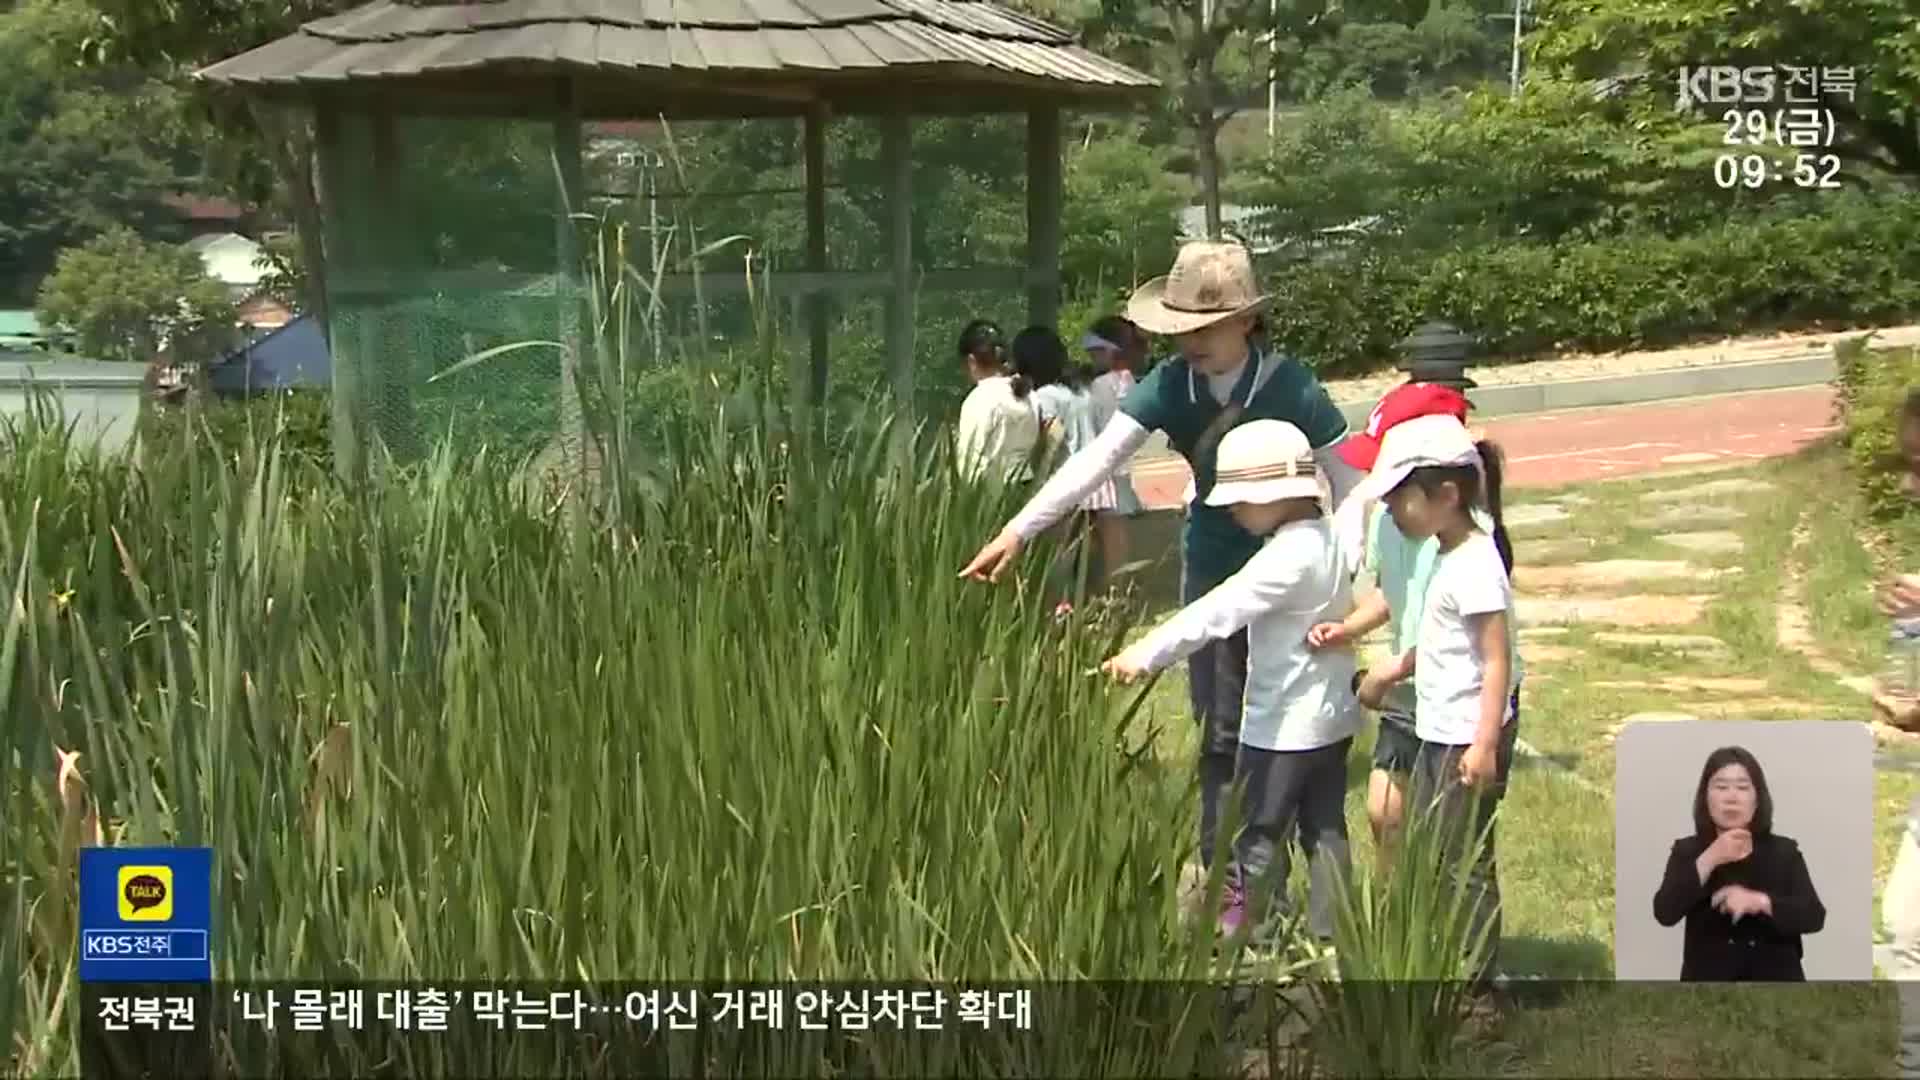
(1552,449)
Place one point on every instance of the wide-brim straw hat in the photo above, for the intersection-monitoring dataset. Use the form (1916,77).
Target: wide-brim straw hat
(1264,461)
(1209,282)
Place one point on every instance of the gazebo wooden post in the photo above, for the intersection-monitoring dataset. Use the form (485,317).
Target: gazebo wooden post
(1044,198)
(896,146)
(338,144)
(388,360)
(819,301)
(570,176)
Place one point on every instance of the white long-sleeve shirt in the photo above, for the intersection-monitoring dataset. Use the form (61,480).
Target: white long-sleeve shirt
(997,432)
(1297,698)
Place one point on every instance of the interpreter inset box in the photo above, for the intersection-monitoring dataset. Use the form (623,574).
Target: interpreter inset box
(1743,851)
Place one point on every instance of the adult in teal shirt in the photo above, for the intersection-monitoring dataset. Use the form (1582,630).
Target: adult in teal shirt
(1222,376)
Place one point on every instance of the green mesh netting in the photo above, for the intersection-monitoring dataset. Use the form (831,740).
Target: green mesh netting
(468,262)
(471,262)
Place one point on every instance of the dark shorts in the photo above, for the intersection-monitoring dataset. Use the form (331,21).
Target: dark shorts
(1396,746)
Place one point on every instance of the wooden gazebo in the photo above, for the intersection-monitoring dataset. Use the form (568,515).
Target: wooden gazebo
(569,62)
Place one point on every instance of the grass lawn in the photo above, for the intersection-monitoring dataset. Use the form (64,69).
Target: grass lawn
(1556,837)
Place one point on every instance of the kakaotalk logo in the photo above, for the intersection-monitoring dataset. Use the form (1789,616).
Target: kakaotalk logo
(146,893)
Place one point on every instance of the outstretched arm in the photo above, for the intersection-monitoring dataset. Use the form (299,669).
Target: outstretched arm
(1079,475)
(1270,580)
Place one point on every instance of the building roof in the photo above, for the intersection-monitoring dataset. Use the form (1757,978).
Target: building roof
(689,57)
(263,311)
(229,258)
(1241,223)
(294,355)
(205,208)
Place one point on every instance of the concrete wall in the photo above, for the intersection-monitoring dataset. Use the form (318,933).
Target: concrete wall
(101,402)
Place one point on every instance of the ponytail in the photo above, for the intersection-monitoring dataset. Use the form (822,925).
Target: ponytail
(1037,358)
(1022,386)
(1492,465)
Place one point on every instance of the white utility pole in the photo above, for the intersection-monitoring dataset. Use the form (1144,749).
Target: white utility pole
(1273,64)
(1519,10)
(1519,19)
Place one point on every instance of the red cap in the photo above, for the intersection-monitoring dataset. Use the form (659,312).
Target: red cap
(1401,403)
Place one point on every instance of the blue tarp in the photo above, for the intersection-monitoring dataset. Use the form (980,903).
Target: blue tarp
(292,357)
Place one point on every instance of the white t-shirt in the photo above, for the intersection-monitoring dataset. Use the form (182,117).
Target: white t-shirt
(1447,673)
(1073,410)
(997,431)
(1298,698)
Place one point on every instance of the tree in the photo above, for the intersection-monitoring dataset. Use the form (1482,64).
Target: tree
(1879,39)
(126,299)
(1393,51)
(170,39)
(1553,164)
(1186,44)
(1120,220)
(79,150)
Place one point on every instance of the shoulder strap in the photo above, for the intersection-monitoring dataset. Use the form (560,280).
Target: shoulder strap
(1231,415)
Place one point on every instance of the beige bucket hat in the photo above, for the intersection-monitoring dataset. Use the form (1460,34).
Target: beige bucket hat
(1210,282)
(1262,462)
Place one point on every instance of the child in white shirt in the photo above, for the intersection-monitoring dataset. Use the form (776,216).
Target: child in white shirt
(1299,715)
(1063,400)
(1433,477)
(999,429)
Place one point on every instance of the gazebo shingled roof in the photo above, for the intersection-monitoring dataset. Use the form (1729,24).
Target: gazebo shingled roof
(708,56)
(570,61)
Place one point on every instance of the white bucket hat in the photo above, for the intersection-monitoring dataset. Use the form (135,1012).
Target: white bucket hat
(1422,442)
(1264,461)
(1209,282)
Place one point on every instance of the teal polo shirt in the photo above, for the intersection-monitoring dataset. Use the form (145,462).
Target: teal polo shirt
(1175,399)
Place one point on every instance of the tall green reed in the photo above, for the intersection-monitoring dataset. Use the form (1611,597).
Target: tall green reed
(747,723)
(1405,950)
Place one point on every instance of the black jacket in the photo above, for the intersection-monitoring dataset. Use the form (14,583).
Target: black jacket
(1758,947)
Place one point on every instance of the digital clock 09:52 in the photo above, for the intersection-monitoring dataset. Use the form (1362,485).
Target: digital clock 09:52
(1758,170)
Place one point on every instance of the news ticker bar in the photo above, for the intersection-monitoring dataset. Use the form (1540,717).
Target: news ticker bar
(430,1008)
(605,1030)
(184,1030)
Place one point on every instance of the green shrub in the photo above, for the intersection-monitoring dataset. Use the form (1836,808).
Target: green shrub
(1344,316)
(1857,260)
(1872,386)
(303,419)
